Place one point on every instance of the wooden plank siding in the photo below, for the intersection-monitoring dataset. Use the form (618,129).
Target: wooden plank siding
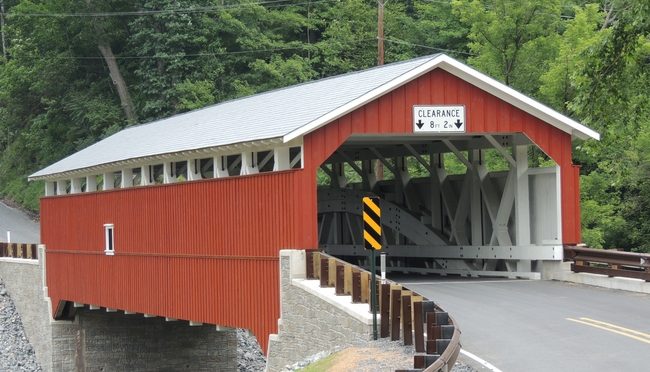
(485,113)
(205,251)
(208,250)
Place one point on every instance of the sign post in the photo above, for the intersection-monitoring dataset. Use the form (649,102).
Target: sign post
(372,241)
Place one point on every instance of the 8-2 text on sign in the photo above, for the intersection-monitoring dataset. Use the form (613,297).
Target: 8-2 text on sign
(439,119)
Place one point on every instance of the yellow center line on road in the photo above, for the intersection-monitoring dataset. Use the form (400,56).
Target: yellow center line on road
(636,335)
(614,326)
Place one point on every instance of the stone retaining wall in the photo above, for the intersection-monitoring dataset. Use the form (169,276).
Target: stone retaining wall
(312,319)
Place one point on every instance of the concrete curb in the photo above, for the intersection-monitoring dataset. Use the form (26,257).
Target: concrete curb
(597,280)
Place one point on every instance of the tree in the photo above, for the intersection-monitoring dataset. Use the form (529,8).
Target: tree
(513,41)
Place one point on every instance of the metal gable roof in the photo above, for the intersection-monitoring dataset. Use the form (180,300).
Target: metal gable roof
(265,116)
(257,117)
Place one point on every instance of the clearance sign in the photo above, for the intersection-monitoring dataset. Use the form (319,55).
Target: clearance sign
(439,119)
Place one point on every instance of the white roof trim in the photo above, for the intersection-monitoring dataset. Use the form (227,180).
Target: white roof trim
(468,74)
(517,99)
(160,158)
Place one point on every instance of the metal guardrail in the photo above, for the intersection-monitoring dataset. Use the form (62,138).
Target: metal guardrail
(19,250)
(609,262)
(405,314)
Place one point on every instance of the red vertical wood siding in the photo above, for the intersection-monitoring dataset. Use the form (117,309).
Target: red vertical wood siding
(204,251)
(485,114)
(208,250)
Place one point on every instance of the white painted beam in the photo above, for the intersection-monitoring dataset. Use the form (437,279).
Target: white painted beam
(169,172)
(281,159)
(146,177)
(50,188)
(111,310)
(248,163)
(94,307)
(436,198)
(127,178)
(61,187)
(522,198)
(220,167)
(170,319)
(194,169)
(77,304)
(108,181)
(195,324)
(558,192)
(500,231)
(149,316)
(91,183)
(126,312)
(476,216)
(75,185)
(522,203)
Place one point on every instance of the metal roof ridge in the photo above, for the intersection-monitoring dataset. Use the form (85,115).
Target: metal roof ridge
(275,90)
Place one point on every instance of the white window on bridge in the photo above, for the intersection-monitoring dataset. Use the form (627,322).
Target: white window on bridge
(109,239)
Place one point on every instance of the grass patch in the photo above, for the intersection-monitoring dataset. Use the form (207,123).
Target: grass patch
(320,365)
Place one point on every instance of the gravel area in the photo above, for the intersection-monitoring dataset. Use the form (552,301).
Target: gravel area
(249,353)
(16,353)
(380,355)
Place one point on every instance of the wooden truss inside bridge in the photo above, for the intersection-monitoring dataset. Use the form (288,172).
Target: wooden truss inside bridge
(445,208)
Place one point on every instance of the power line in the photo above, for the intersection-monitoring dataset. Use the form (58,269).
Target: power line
(205,9)
(398,41)
(191,55)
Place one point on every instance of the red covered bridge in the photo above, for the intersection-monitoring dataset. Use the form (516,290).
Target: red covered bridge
(184,217)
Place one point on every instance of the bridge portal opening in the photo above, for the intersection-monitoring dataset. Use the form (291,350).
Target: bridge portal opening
(451,204)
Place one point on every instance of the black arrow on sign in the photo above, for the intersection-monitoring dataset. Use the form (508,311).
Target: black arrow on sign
(458,123)
(420,123)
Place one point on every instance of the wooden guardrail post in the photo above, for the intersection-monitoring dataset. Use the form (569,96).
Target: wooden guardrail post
(356,287)
(384,311)
(340,280)
(407,332)
(347,279)
(309,262)
(316,259)
(365,287)
(331,271)
(395,311)
(417,326)
(404,313)
(324,272)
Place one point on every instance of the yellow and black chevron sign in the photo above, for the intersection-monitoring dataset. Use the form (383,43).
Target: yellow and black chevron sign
(371,223)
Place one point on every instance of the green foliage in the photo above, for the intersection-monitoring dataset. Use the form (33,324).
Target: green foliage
(590,61)
(513,40)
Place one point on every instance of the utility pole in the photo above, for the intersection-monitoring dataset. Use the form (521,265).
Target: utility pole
(380,32)
(379,167)
(2,28)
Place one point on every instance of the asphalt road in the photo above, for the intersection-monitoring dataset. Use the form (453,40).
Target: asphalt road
(23,230)
(519,325)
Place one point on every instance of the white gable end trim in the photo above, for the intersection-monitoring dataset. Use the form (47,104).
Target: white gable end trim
(465,73)
(362,100)
(517,99)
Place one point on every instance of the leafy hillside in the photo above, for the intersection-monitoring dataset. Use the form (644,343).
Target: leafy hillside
(75,71)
